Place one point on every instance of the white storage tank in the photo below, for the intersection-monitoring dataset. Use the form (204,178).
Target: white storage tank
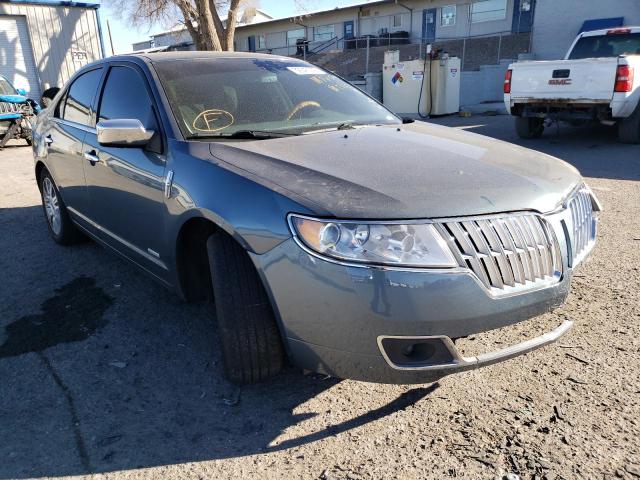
(403,82)
(446,85)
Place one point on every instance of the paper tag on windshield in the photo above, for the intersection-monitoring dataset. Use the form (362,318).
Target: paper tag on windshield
(307,70)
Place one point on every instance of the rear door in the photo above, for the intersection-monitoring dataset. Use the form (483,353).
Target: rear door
(590,79)
(126,185)
(72,119)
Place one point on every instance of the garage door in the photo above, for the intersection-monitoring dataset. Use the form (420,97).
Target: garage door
(16,56)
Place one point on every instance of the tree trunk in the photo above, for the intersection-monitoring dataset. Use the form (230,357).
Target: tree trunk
(206,24)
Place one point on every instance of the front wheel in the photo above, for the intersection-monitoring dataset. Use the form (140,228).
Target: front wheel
(529,128)
(250,340)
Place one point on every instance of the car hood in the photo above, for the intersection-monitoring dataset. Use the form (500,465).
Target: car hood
(417,171)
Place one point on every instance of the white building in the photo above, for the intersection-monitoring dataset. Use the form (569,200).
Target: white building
(43,43)
(557,23)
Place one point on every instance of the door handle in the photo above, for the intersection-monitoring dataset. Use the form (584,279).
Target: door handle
(48,140)
(91,157)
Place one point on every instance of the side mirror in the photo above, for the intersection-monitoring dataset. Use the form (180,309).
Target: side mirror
(406,120)
(123,133)
(21,91)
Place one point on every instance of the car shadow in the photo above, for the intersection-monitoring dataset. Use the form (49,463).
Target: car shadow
(592,149)
(103,370)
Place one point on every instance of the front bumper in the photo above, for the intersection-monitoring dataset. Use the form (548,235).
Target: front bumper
(334,316)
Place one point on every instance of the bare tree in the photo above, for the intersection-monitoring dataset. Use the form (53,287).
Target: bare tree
(211,23)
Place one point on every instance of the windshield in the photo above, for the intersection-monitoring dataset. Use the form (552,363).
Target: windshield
(612,45)
(221,96)
(6,88)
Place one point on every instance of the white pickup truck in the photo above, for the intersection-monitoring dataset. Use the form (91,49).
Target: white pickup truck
(594,83)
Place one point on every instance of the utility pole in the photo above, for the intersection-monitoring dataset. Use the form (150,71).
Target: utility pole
(110,38)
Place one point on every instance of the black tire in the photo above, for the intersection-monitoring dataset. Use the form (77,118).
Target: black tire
(249,337)
(629,128)
(66,232)
(529,128)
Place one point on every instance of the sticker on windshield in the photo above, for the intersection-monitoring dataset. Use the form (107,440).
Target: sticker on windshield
(307,70)
(212,121)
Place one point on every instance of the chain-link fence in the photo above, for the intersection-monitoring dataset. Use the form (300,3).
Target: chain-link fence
(355,57)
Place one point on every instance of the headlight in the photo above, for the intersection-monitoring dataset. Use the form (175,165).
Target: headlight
(409,245)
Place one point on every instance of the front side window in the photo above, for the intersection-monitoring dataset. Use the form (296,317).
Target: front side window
(6,88)
(267,95)
(77,104)
(612,45)
(294,35)
(125,96)
(448,16)
(488,10)
(323,33)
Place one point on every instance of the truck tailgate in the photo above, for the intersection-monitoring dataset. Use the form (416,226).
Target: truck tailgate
(588,80)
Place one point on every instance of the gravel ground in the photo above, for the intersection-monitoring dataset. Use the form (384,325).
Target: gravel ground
(102,372)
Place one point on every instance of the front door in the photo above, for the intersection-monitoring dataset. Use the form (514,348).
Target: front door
(348,30)
(126,184)
(64,136)
(429,25)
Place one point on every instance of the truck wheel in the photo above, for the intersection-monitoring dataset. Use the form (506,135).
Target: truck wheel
(529,127)
(250,341)
(61,228)
(629,128)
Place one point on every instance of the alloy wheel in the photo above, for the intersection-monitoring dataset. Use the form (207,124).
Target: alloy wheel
(51,206)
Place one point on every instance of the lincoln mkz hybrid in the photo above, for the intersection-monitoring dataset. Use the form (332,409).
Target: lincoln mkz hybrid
(325,229)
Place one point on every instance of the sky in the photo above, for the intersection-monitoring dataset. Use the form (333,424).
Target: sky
(123,34)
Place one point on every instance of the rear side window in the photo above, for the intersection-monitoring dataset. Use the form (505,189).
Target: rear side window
(77,104)
(612,45)
(125,96)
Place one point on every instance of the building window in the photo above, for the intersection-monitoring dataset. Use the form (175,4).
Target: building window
(488,10)
(293,35)
(448,16)
(397,21)
(324,33)
(262,42)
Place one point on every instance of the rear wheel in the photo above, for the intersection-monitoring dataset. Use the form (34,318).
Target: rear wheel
(61,228)
(629,128)
(250,341)
(529,127)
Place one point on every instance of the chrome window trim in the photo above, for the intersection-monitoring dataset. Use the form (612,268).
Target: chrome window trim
(79,126)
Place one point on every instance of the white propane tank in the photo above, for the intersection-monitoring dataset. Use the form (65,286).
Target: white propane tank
(401,83)
(446,85)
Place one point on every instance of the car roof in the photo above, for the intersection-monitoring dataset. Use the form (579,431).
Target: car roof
(158,57)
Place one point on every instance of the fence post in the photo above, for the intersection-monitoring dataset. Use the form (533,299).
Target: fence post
(464,49)
(367,67)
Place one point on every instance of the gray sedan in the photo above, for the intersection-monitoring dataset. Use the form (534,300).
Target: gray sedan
(324,228)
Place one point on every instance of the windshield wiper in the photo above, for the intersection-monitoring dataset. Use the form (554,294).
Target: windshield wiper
(247,134)
(346,126)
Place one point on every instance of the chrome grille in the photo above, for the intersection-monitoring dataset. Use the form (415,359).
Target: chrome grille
(584,225)
(506,253)
(9,107)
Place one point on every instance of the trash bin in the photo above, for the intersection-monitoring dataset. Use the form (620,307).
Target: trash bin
(302,46)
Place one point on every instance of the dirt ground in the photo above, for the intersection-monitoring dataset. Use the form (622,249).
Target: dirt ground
(104,374)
